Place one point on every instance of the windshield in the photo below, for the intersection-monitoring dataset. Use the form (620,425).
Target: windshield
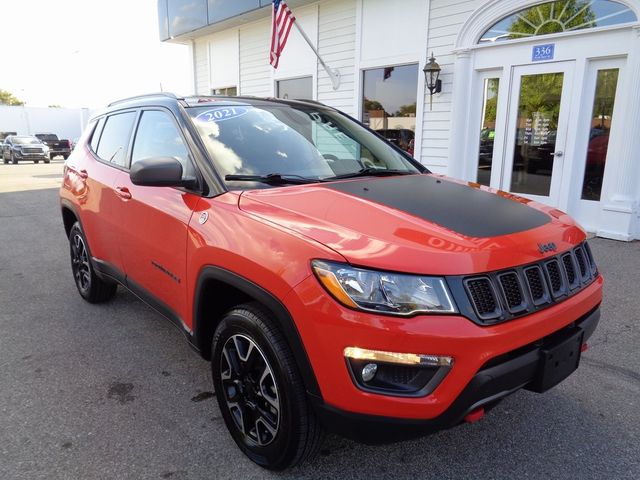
(25,140)
(297,140)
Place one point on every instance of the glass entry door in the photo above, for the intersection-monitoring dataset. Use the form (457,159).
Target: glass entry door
(536,130)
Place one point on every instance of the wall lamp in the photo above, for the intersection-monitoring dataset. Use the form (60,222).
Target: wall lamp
(432,78)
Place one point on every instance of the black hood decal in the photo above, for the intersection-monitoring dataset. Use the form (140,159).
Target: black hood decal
(466,210)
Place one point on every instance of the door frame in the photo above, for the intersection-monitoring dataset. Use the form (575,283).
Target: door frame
(505,166)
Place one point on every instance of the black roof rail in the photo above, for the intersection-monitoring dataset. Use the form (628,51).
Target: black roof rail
(308,100)
(137,97)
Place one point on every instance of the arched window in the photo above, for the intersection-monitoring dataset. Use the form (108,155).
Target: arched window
(560,16)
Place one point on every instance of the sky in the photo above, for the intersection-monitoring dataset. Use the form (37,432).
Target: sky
(87,53)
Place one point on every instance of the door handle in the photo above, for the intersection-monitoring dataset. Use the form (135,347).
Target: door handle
(123,192)
(557,154)
(81,173)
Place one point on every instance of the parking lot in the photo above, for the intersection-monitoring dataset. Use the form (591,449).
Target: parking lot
(115,392)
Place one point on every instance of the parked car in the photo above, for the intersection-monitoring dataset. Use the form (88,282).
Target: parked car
(382,302)
(56,145)
(402,137)
(24,147)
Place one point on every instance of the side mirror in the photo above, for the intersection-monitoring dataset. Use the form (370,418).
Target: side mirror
(159,172)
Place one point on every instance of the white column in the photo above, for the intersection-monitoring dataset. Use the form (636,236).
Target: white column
(461,99)
(620,206)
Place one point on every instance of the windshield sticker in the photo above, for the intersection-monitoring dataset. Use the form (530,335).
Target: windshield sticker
(222,113)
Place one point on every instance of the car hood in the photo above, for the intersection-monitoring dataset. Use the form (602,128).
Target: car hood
(418,223)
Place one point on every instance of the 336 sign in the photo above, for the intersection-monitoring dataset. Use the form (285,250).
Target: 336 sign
(542,52)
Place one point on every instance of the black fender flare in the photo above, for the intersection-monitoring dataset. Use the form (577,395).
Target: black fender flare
(283,317)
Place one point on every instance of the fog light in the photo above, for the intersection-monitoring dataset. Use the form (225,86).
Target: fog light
(369,371)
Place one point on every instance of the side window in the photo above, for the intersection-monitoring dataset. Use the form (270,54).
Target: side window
(158,136)
(112,146)
(96,135)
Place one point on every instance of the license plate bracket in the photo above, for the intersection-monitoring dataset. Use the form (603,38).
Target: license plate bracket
(558,360)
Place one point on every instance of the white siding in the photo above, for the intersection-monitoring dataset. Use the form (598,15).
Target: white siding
(201,60)
(336,44)
(224,61)
(255,71)
(445,20)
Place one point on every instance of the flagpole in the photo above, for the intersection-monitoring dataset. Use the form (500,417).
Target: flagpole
(334,75)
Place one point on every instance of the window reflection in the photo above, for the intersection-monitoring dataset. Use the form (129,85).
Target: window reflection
(295,88)
(537,124)
(488,129)
(601,116)
(561,16)
(389,103)
(227,91)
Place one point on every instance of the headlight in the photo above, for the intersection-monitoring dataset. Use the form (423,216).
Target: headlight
(384,292)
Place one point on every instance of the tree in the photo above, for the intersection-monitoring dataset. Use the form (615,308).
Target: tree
(373,105)
(406,110)
(553,17)
(7,98)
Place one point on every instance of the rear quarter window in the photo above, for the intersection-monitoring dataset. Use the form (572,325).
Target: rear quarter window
(114,140)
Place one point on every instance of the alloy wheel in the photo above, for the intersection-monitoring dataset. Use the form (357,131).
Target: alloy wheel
(250,390)
(80,263)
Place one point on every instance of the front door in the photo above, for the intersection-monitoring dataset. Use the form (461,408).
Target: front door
(536,130)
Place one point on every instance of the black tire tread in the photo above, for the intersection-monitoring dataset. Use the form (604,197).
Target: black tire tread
(310,433)
(101,291)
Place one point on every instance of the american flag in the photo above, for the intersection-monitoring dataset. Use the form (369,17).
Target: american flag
(282,21)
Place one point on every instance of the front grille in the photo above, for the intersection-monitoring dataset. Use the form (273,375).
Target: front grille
(569,270)
(31,150)
(511,290)
(506,294)
(483,297)
(582,264)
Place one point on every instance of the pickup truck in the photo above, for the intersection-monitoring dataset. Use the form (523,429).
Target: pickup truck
(56,146)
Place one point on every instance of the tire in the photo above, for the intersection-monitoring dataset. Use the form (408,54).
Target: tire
(272,406)
(13,158)
(65,156)
(47,161)
(36,161)
(91,287)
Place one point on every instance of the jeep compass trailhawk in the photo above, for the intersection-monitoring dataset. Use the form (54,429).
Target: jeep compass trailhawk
(333,281)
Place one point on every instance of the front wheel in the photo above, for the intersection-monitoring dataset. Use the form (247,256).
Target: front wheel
(91,287)
(260,391)
(13,158)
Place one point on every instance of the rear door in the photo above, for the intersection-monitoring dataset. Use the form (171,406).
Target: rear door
(154,220)
(92,173)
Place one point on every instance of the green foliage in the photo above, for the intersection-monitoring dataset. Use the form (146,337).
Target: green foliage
(406,110)
(7,98)
(553,17)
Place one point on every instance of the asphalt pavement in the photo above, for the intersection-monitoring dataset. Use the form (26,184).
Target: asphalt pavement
(115,392)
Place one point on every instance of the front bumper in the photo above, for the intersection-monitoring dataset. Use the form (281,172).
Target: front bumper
(327,328)
(497,379)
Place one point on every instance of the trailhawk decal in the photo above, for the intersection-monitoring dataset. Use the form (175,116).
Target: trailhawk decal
(460,208)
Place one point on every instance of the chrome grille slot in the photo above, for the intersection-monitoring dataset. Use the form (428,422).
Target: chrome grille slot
(582,263)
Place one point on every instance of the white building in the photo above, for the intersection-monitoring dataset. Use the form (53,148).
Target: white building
(538,98)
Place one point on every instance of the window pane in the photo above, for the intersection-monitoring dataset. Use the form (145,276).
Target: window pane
(96,134)
(488,129)
(115,138)
(389,103)
(296,88)
(157,136)
(537,123)
(601,116)
(561,16)
(228,91)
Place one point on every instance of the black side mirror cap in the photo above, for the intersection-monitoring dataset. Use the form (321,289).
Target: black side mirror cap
(159,172)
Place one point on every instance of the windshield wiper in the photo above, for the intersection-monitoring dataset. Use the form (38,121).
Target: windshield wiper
(371,172)
(273,179)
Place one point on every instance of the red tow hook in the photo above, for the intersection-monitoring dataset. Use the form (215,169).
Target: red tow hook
(584,347)
(475,415)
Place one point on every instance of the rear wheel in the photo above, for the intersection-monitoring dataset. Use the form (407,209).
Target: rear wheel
(91,287)
(260,392)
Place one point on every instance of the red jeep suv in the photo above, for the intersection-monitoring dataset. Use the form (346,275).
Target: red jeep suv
(333,282)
